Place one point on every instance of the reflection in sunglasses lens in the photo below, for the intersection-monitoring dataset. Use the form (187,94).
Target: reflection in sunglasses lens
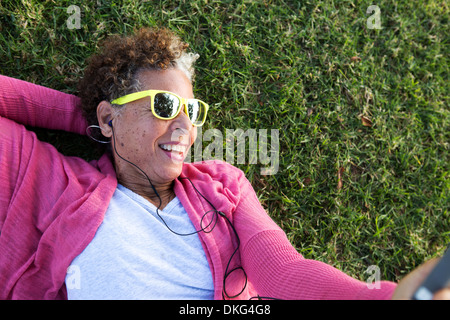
(197,111)
(193,110)
(166,105)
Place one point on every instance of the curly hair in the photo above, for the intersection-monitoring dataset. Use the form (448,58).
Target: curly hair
(112,72)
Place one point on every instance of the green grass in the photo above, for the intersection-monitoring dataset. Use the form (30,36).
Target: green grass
(310,69)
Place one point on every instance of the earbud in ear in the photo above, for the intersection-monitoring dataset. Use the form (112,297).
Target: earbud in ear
(110,123)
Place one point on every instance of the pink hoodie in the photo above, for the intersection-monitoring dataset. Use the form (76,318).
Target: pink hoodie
(51,206)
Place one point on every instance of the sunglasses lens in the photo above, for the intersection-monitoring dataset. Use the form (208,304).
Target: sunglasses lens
(166,105)
(196,112)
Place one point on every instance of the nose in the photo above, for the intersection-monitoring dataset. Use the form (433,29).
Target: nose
(181,127)
(183,118)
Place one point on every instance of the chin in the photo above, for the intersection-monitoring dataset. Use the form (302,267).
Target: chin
(173,171)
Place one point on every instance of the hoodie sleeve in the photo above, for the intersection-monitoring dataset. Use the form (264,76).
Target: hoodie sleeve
(37,106)
(277,270)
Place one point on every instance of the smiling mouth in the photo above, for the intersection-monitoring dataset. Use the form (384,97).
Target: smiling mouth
(173,148)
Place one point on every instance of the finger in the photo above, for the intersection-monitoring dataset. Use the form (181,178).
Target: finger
(443,294)
(424,270)
(412,281)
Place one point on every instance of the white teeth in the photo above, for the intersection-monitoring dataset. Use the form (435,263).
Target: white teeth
(173,147)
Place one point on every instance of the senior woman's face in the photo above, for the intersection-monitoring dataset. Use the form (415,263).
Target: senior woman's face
(145,140)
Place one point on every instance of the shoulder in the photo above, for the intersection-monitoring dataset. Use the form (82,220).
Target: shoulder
(215,170)
(216,180)
(15,139)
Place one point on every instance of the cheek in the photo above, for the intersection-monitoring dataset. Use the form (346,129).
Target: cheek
(141,130)
(133,139)
(144,138)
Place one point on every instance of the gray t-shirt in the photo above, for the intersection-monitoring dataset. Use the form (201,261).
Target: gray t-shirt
(135,256)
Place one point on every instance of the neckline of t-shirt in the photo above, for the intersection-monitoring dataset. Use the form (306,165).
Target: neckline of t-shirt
(147,204)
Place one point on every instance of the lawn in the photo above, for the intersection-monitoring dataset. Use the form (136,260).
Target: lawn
(357,100)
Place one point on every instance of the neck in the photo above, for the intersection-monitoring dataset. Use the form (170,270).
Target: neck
(164,192)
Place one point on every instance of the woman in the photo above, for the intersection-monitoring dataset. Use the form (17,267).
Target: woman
(139,223)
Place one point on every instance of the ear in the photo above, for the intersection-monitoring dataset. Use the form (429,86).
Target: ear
(104,116)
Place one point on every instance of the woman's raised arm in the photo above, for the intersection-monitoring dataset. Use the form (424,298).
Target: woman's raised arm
(38,106)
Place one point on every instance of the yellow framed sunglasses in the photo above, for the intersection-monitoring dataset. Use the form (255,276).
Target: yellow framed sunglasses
(167,105)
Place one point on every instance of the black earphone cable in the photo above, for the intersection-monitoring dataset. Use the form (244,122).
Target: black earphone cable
(213,222)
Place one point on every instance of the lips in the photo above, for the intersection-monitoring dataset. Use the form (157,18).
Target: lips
(173,147)
(174,151)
